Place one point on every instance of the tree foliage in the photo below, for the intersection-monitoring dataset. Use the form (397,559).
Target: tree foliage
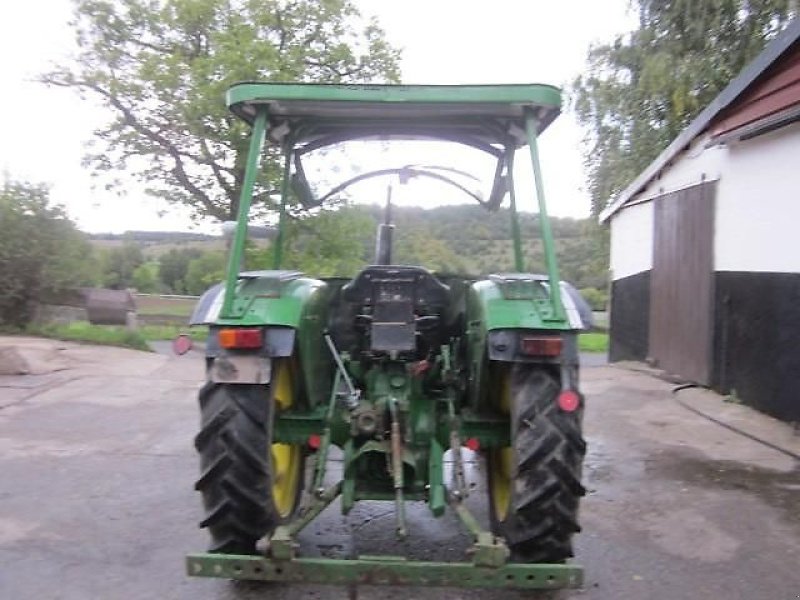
(644,87)
(174,266)
(163,67)
(205,271)
(119,264)
(326,244)
(145,278)
(41,252)
(420,247)
(463,240)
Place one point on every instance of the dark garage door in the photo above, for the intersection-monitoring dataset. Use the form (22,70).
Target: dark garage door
(681,283)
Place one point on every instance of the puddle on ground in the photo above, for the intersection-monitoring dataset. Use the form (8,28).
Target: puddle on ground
(780,489)
(596,465)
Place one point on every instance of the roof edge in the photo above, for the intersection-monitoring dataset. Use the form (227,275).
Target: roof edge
(772,52)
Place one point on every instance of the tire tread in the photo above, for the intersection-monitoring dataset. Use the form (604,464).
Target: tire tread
(549,450)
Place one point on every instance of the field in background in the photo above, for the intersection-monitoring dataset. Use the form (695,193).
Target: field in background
(155,309)
(172,312)
(112,335)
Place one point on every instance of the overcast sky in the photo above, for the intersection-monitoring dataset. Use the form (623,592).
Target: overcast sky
(43,132)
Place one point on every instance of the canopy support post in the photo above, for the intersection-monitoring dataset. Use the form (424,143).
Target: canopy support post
(516,236)
(277,256)
(246,197)
(531,127)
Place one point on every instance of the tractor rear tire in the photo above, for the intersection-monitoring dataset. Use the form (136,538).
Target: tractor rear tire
(236,478)
(542,467)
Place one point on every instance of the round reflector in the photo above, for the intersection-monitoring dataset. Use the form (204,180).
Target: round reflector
(182,344)
(473,444)
(569,400)
(314,441)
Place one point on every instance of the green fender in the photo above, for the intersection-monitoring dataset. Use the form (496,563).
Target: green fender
(509,302)
(283,299)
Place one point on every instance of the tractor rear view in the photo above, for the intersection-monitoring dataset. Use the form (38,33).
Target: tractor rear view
(395,367)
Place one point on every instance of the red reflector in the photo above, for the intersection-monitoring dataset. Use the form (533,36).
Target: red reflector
(240,338)
(540,345)
(182,344)
(569,401)
(472,444)
(314,441)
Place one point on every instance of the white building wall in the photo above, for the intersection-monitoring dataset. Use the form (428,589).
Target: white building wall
(758,205)
(757,212)
(695,165)
(632,226)
(632,240)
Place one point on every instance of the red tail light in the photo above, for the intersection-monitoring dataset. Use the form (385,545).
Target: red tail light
(569,401)
(473,444)
(240,338)
(540,345)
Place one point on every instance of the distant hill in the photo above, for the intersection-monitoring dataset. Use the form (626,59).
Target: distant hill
(480,240)
(153,237)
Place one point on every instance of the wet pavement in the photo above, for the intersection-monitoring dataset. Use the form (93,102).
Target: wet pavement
(96,497)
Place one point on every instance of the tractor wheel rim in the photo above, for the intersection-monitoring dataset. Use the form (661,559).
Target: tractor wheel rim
(501,460)
(285,476)
(286,459)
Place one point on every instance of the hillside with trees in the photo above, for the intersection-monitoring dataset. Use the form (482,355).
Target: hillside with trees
(462,239)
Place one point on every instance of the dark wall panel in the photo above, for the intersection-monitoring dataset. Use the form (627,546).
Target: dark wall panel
(757,340)
(630,315)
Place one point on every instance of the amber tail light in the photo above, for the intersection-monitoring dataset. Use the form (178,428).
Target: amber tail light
(240,338)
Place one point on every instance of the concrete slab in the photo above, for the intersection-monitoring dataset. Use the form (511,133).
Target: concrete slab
(96,497)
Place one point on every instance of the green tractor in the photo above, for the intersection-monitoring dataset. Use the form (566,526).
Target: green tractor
(395,367)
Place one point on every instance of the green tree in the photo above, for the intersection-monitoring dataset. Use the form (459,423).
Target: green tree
(145,278)
(205,271)
(173,266)
(597,299)
(644,87)
(163,67)
(119,265)
(41,251)
(328,243)
(420,247)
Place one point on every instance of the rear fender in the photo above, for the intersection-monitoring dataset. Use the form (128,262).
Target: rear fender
(503,309)
(225,365)
(293,312)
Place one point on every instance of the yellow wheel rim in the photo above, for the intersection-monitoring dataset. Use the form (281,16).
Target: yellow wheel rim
(501,460)
(286,459)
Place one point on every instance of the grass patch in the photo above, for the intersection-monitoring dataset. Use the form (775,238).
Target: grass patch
(593,342)
(110,335)
(170,332)
(81,331)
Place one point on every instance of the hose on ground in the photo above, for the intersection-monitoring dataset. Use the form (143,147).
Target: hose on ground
(750,436)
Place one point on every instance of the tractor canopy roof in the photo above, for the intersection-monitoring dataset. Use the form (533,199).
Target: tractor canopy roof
(311,116)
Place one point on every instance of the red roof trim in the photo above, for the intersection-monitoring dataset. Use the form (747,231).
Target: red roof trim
(777,90)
